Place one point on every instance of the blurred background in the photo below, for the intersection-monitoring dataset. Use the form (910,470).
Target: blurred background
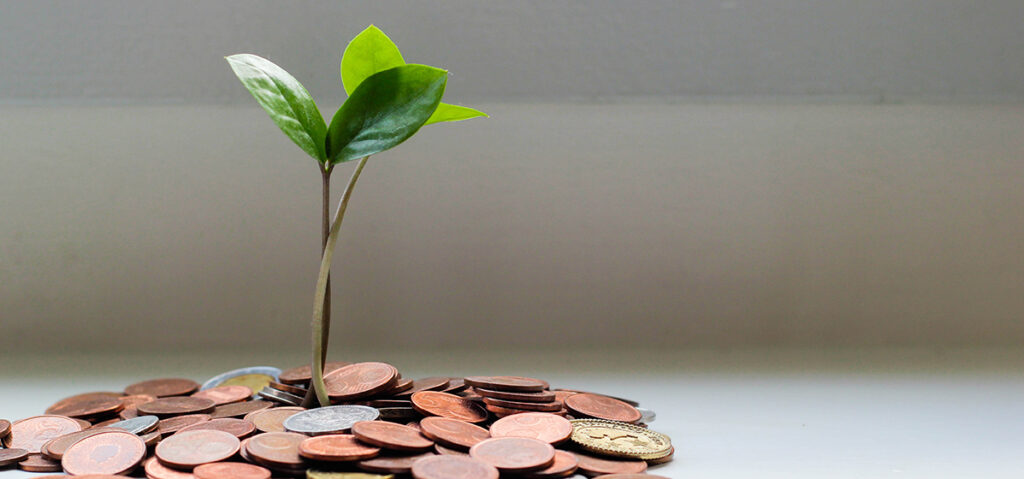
(654,174)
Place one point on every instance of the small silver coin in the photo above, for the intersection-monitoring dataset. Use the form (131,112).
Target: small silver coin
(137,425)
(329,419)
(279,396)
(646,415)
(220,378)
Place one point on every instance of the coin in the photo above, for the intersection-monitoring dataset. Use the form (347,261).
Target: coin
(155,470)
(137,425)
(86,406)
(455,385)
(550,428)
(272,420)
(255,378)
(449,467)
(563,393)
(276,448)
(611,438)
(31,433)
(151,438)
(663,459)
(176,405)
(336,447)
(453,432)
(329,419)
(188,449)
(389,435)
(514,455)
(435,403)
(539,397)
(236,427)
(391,464)
(12,456)
(396,414)
(36,462)
(230,470)
(172,425)
(565,464)
(601,407)
(525,406)
(303,374)
(426,384)
(110,452)
(647,415)
(163,387)
(5,428)
(288,388)
(55,448)
(282,397)
(591,465)
(503,412)
(360,380)
(239,409)
(450,451)
(225,394)
(507,383)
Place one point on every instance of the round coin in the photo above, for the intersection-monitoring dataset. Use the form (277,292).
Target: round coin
(601,407)
(435,403)
(230,470)
(591,465)
(136,425)
(514,455)
(279,449)
(452,432)
(110,452)
(391,464)
(360,380)
(272,420)
(5,428)
(55,448)
(176,406)
(36,462)
(565,464)
(507,383)
(155,470)
(426,384)
(31,433)
(225,394)
(12,456)
(541,397)
(188,449)
(611,438)
(236,427)
(255,378)
(163,387)
(389,435)
(329,419)
(303,374)
(522,405)
(550,428)
(239,409)
(336,447)
(172,425)
(86,406)
(629,476)
(452,467)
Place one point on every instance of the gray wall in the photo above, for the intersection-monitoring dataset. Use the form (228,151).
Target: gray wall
(653,174)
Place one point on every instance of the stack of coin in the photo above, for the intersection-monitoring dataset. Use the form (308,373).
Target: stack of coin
(507,395)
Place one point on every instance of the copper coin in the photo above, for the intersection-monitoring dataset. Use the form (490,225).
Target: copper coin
(163,387)
(156,470)
(172,425)
(31,433)
(452,432)
(601,407)
(276,448)
(55,448)
(136,399)
(239,409)
(565,464)
(514,454)
(526,406)
(11,456)
(186,450)
(435,403)
(110,452)
(231,470)
(303,374)
(507,383)
(151,438)
(360,380)
(389,435)
(5,428)
(450,451)
(336,447)
(391,464)
(505,412)
(36,462)
(176,406)
(236,427)
(542,396)
(271,420)
(452,467)
(105,423)
(427,384)
(629,476)
(550,428)
(400,387)
(595,466)
(225,394)
(84,407)
(129,412)
(455,385)
(288,388)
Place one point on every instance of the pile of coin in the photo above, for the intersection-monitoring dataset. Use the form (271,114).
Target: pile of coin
(248,424)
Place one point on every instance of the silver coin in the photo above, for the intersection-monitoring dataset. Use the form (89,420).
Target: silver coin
(137,425)
(329,419)
(220,378)
(277,395)
(646,415)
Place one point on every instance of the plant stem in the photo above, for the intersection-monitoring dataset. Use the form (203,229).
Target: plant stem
(322,283)
(325,229)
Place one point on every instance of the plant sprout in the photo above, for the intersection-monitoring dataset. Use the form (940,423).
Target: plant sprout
(388,102)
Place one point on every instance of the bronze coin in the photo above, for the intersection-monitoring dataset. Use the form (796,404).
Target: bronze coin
(176,406)
(629,476)
(5,428)
(601,407)
(236,427)
(105,423)
(514,454)
(360,380)
(151,438)
(391,464)
(36,462)
(550,428)
(389,435)
(11,456)
(507,383)
(272,420)
(400,387)
(336,447)
(288,388)
(85,407)
(455,385)
(505,412)
(525,406)
(172,425)
(542,396)
(276,448)
(31,433)
(565,464)
(163,387)
(303,374)
(110,452)
(563,393)
(136,399)
(452,432)
(452,467)
(225,394)
(426,384)
(595,466)
(129,412)
(239,409)
(156,470)
(450,451)
(55,448)
(189,449)
(435,403)
(231,470)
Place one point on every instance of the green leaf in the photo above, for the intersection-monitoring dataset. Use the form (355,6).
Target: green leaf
(447,112)
(369,52)
(385,110)
(285,100)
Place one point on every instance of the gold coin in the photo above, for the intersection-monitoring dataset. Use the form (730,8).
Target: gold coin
(619,439)
(251,381)
(315,474)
